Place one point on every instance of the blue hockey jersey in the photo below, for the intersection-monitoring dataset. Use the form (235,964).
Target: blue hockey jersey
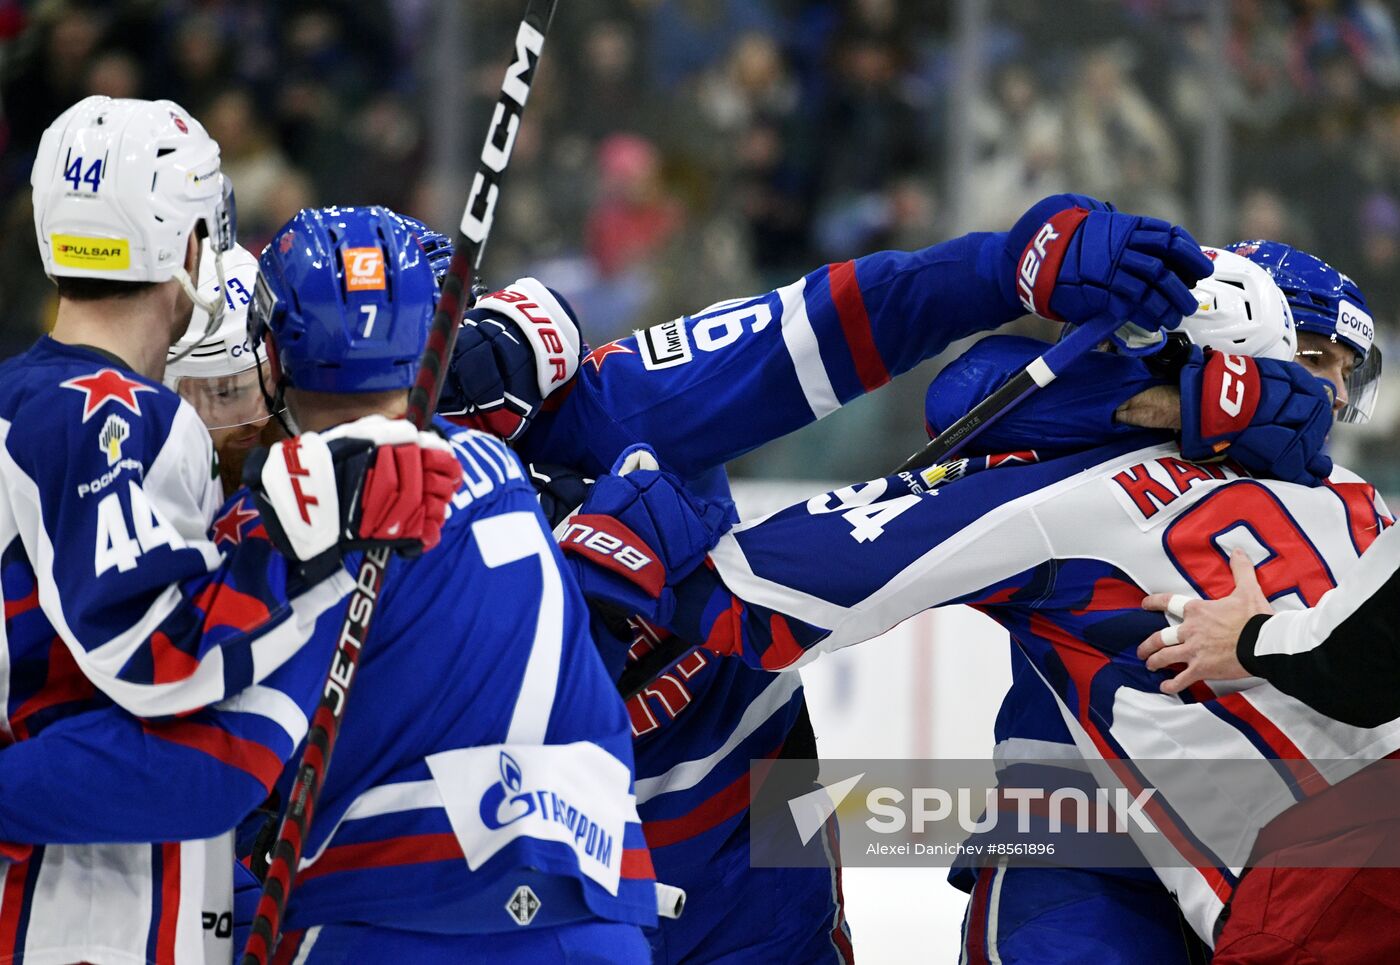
(116,592)
(706,388)
(485,750)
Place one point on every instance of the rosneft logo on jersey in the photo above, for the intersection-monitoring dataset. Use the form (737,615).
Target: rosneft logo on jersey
(94,254)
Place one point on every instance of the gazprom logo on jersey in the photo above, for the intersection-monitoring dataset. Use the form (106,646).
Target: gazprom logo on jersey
(509,801)
(1355,325)
(536,798)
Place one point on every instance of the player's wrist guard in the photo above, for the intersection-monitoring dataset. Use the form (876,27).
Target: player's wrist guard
(1075,259)
(516,348)
(1270,416)
(369,483)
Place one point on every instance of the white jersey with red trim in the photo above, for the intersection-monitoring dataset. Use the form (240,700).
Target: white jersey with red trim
(1062,553)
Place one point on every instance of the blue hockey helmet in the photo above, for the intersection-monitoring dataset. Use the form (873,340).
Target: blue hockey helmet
(347,295)
(1325,302)
(437,246)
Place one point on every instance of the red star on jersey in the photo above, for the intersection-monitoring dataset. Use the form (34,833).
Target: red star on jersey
(229,526)
(1012,458)
(600,354)
(104,385)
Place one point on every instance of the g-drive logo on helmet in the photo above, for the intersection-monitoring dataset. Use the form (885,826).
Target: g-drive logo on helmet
(364,269)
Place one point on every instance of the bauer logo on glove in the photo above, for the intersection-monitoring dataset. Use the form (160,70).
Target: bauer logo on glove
(611,545)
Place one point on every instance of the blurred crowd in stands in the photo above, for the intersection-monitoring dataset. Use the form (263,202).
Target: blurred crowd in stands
(677,152)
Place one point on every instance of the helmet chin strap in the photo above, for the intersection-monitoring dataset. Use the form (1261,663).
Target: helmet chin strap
(276,399)
(213,307)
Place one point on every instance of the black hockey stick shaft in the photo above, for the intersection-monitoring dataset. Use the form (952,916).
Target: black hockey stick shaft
(457,296)
(1037,375)
(1040,373)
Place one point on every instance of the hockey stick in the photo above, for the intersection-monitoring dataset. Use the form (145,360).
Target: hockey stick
(455,299)
(1040,373)
(1037,375)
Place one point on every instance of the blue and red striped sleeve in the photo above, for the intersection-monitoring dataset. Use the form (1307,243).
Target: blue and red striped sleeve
(104,776)
(162,614)
(705,388)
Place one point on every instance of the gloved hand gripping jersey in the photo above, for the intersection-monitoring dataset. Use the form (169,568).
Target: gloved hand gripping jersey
(372,482)
(638,534)
(1271,416)
(515,347)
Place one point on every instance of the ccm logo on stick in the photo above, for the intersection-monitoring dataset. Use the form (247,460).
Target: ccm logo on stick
(505,123)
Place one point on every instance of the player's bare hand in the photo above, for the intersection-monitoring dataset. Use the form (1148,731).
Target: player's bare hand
(1202,647)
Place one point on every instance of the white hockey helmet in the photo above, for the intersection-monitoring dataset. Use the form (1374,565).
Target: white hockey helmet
(119,184)
(1241,310)
(215,370)
(202,353)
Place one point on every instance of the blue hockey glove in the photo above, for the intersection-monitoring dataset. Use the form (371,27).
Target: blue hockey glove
(515,348)
(1271,416)
(560,490)
(1077,260)
(639,533)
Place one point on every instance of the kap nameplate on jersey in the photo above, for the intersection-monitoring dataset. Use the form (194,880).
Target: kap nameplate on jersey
(664,346)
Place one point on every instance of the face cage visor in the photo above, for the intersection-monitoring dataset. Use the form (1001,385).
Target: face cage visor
(225,401)
(1363,385)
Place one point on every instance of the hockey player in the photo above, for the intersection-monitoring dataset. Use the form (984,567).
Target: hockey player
(480,805)
(114,591)
(1013,543)
(217,372)
(703,389)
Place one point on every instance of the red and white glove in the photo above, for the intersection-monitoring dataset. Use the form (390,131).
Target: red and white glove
(368,483)
(516,348)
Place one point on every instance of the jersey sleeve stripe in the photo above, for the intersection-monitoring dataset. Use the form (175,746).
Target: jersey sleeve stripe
(14,906)
(783,688)
(855,325)
(636,864)
(392,852)
(273,704)
(384,799)
(255,760)
(1300,775)
(165,866)
(709,813)
(805,351)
